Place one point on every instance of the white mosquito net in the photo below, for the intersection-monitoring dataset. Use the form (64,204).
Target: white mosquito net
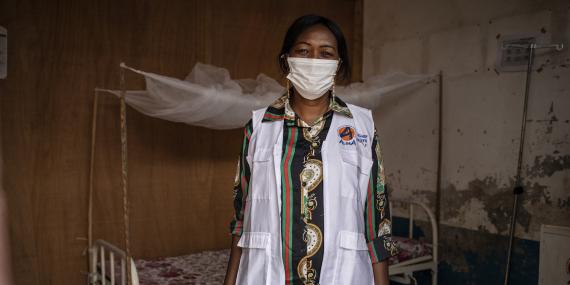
(208,97)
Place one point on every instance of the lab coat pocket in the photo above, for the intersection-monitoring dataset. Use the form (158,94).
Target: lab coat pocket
(255,258)
(260,172)
(355,173)
(353,264)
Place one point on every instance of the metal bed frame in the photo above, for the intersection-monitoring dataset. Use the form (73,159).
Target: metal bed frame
(107,263)
(403,272)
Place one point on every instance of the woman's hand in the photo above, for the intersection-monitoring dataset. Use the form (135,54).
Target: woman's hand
(381,273)
(233,264)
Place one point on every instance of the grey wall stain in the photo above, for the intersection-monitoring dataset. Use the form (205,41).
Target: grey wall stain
(547,165)
(458,243)
(564,203)
(497,201)
(550,121)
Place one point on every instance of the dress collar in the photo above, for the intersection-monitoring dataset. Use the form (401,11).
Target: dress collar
(282,110)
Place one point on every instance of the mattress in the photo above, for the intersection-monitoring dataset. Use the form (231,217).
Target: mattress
(209,267)
(204,268)
(409,249)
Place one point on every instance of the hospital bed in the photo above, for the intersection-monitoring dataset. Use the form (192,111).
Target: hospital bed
(108,263)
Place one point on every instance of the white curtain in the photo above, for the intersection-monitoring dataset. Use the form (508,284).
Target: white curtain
(208,97)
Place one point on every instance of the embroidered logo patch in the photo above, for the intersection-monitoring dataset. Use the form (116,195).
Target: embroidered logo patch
(347,135)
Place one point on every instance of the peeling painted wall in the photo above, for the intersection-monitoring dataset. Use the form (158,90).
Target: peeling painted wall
(482,109)
(482,114)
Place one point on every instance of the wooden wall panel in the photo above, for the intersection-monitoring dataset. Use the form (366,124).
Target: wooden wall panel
(180,176)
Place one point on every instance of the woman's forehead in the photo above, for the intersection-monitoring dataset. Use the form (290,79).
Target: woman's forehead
(317,35)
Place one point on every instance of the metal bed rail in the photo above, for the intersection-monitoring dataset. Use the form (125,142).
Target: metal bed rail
(423,263)
(107,265)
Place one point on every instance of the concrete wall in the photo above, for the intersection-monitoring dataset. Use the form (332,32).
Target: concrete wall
(482,112)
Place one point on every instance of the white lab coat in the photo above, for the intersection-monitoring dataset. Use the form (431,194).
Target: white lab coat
(347,165)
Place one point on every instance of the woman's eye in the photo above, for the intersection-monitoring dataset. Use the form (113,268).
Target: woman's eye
(326,54)
(302,51)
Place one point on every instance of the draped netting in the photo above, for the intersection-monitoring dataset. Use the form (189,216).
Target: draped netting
(209,97)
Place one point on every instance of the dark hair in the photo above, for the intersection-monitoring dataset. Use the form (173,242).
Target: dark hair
(303,23)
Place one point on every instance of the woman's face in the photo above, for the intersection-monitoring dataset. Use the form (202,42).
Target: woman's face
(315,42)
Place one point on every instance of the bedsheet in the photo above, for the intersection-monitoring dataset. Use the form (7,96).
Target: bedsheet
(204,268)
(209,267)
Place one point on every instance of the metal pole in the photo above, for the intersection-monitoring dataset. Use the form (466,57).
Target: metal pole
(439,150)
(124,174)
(518,183)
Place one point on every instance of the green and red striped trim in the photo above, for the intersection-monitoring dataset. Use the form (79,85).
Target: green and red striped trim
(287,202)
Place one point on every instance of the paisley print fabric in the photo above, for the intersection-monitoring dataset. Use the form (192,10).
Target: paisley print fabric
(302,220)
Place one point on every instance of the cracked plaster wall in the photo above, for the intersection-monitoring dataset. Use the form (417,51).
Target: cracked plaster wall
(482,110)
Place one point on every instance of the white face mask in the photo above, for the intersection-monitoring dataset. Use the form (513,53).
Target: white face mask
(312,77)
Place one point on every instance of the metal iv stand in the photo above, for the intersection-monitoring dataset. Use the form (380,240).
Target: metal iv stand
(518,182)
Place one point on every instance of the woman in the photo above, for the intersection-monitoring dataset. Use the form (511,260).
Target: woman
(310,196)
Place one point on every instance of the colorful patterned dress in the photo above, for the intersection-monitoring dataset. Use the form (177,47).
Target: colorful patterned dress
(302,213)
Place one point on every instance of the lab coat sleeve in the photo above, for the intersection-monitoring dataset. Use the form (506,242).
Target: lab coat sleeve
(241,183)
(377,211)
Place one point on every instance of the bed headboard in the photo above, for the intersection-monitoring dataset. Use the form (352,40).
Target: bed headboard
(107,265)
